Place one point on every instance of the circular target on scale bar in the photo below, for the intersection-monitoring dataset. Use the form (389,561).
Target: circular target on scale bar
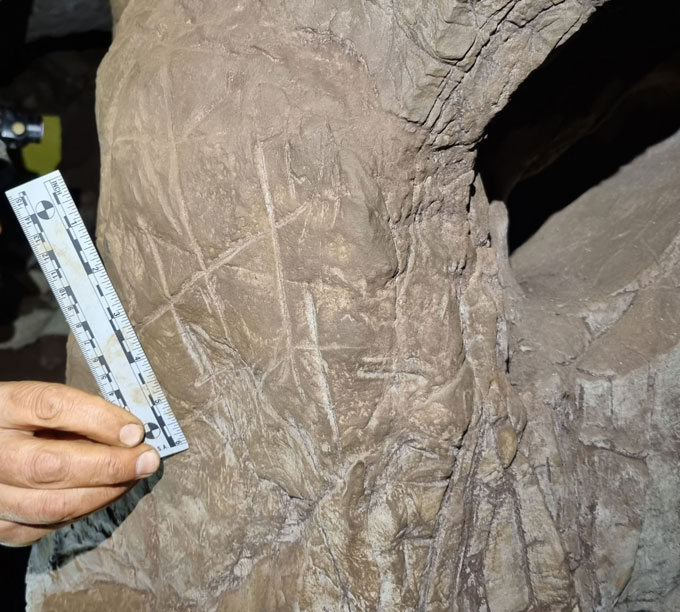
(152,431)
(45,209)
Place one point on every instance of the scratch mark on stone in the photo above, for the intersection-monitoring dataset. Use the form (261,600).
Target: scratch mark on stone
(285,313)
(292,193)
(377,359)
(343,586)
(310,311)
(303,233)
(388,374)
(215,265)
(174,173)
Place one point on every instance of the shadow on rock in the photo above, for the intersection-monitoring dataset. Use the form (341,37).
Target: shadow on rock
(62,546)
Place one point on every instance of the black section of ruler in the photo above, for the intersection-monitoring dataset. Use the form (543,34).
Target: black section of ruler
(45,204)
(106,306)
(67,298)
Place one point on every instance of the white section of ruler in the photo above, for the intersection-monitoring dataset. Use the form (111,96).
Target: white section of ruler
(75,272)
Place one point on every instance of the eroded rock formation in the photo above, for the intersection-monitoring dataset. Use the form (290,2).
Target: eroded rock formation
(383,413)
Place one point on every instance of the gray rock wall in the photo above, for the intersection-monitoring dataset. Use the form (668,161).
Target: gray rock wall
(383,415)
(55,19)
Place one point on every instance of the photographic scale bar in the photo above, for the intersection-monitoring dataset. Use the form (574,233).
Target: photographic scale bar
(83,289)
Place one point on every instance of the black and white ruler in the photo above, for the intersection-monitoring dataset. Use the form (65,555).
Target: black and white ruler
(84,291)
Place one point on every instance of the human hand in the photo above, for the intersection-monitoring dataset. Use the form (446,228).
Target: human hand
(63,454)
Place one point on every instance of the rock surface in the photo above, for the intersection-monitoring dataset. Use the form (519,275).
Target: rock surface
(55,19)
(383,415)
(601,369)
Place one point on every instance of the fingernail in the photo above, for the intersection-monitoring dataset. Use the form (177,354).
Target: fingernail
(148,463)
(131,434)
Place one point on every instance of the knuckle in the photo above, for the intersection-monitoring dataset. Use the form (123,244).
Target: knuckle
(112,468)
(47,404)
(53,507)
(45,467)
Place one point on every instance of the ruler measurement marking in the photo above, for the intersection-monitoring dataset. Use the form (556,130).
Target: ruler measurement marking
(91,312)
(68,291)
(106,305)
(108,374)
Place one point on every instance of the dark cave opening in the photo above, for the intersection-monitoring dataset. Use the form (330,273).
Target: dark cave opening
(602,98)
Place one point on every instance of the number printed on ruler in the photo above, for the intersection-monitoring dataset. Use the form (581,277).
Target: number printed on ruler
(72,266)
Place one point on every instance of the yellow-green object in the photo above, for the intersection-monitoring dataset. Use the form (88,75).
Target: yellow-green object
(43,157)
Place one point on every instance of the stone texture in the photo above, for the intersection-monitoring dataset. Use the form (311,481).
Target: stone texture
(383,413)
(604,380)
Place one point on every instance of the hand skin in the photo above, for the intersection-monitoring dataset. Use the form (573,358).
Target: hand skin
(63,454)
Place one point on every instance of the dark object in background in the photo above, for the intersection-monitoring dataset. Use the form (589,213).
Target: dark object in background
(54,76)
(15,283)
(592,107)
(14,16)
(18,129)
(58,79)
(13,563)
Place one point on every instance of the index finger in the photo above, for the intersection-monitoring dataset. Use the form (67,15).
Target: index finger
(34,406)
